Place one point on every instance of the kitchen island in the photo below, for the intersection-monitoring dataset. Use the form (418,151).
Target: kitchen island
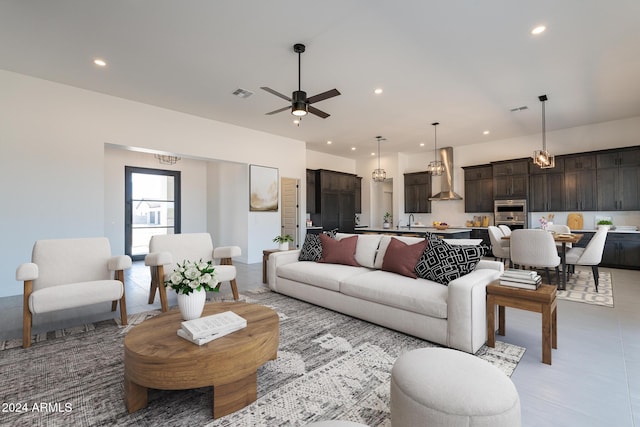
(449,233)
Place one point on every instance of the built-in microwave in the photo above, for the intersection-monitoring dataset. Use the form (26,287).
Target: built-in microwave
(511,212)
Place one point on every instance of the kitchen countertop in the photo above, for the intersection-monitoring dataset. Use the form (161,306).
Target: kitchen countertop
(413,229)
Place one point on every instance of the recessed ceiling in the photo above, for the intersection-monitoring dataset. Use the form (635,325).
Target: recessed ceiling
(463,64)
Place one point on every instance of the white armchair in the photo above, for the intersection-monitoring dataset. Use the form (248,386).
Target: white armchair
(68,273)
(535,248)
(589,255)
(165,251)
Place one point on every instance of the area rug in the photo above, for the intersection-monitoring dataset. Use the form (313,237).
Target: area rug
(329,366)
(582,288)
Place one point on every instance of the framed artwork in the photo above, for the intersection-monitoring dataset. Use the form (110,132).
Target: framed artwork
(263,189)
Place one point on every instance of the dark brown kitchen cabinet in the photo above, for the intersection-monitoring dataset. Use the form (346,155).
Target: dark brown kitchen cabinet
(622,250)
(546,188)
(617,180)
(511,179)
(311,191)
(335,199)
(417,190)
(358,194)
(478,188)
(580,182)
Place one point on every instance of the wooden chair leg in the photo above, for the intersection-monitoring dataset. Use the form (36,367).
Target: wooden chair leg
(114,305)
(162,289)
(123,300)
(26,315)
(153,285)
(234,289)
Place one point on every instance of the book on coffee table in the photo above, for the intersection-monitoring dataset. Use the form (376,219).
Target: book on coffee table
(205,329)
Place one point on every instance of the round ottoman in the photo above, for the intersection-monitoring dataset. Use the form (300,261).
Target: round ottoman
(443,387)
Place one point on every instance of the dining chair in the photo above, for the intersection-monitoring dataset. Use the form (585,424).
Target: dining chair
(535,248)
(589,255)
(506,230)
(499,246)
(560,229)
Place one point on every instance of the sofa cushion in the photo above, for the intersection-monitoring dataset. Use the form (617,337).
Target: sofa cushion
(402,258)
(442,262)
(339,251)
(384,243)
(311,248)
(366,248)
(383,287)
(327,276)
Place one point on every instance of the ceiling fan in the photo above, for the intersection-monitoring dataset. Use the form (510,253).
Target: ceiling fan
(300,104)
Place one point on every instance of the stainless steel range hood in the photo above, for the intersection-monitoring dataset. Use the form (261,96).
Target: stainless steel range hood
(446,180)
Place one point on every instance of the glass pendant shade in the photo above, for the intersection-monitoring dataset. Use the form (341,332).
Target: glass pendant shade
(542,158)
(436,167)
(379,175)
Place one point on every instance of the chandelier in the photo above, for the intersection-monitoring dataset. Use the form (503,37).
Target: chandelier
(542,157)
(166,160)
(379,175)
(436,167)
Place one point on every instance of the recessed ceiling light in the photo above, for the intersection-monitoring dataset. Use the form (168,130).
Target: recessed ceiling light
(378,91)
(100,62)
(422,144)
(486,132)
(353,148)
(296,121)
(329,142)
(539,29)
(373,154)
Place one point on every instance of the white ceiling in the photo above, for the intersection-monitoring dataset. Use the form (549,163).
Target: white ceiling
(462,63)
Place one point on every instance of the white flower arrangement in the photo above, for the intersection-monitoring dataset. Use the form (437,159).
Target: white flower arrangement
(193,276)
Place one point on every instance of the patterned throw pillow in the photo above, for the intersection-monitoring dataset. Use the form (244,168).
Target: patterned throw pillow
(311,249)
(442,262)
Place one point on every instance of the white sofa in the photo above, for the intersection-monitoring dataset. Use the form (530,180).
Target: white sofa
(453,315)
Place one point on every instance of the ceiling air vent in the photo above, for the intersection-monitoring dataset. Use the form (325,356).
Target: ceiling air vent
(242,93)
(524,107)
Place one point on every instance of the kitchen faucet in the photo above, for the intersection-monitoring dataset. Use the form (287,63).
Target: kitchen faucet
(410,220)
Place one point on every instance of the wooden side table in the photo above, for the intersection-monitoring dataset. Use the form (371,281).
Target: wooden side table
(543,301)
(265,258)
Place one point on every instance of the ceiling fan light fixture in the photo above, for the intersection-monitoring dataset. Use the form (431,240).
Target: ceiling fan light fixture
(299,108)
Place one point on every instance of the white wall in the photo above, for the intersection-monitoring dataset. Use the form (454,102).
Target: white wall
(52,163)
(318,160)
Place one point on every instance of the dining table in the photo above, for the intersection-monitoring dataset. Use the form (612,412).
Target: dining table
(563,239)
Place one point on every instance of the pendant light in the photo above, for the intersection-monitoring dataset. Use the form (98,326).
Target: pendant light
(436,167)
(379,175)
(542,157)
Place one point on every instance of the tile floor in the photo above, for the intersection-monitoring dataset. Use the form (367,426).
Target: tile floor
(594,379)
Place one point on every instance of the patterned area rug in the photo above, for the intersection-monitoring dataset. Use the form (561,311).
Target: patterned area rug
(582,288)
(329,366)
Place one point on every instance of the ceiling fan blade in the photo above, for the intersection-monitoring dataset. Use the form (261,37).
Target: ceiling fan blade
(322,96)
(280,110)
(278,94)
(319,113)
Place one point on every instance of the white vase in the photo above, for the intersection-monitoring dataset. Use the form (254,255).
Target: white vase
(386,225)
(284,246)
(191,305)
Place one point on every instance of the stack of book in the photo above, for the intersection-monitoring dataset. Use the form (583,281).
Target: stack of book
(525,279)
(205,329)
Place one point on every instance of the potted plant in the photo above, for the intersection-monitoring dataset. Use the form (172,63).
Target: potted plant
(386,220)
(605,223)
(283,241)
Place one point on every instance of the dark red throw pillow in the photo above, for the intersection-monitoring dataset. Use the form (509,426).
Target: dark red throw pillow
(402,258)
(339,251)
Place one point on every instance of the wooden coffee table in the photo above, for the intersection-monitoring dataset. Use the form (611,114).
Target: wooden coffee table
(155,357)
(543,301)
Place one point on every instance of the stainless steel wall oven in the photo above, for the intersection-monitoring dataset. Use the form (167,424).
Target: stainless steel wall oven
(512,213)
